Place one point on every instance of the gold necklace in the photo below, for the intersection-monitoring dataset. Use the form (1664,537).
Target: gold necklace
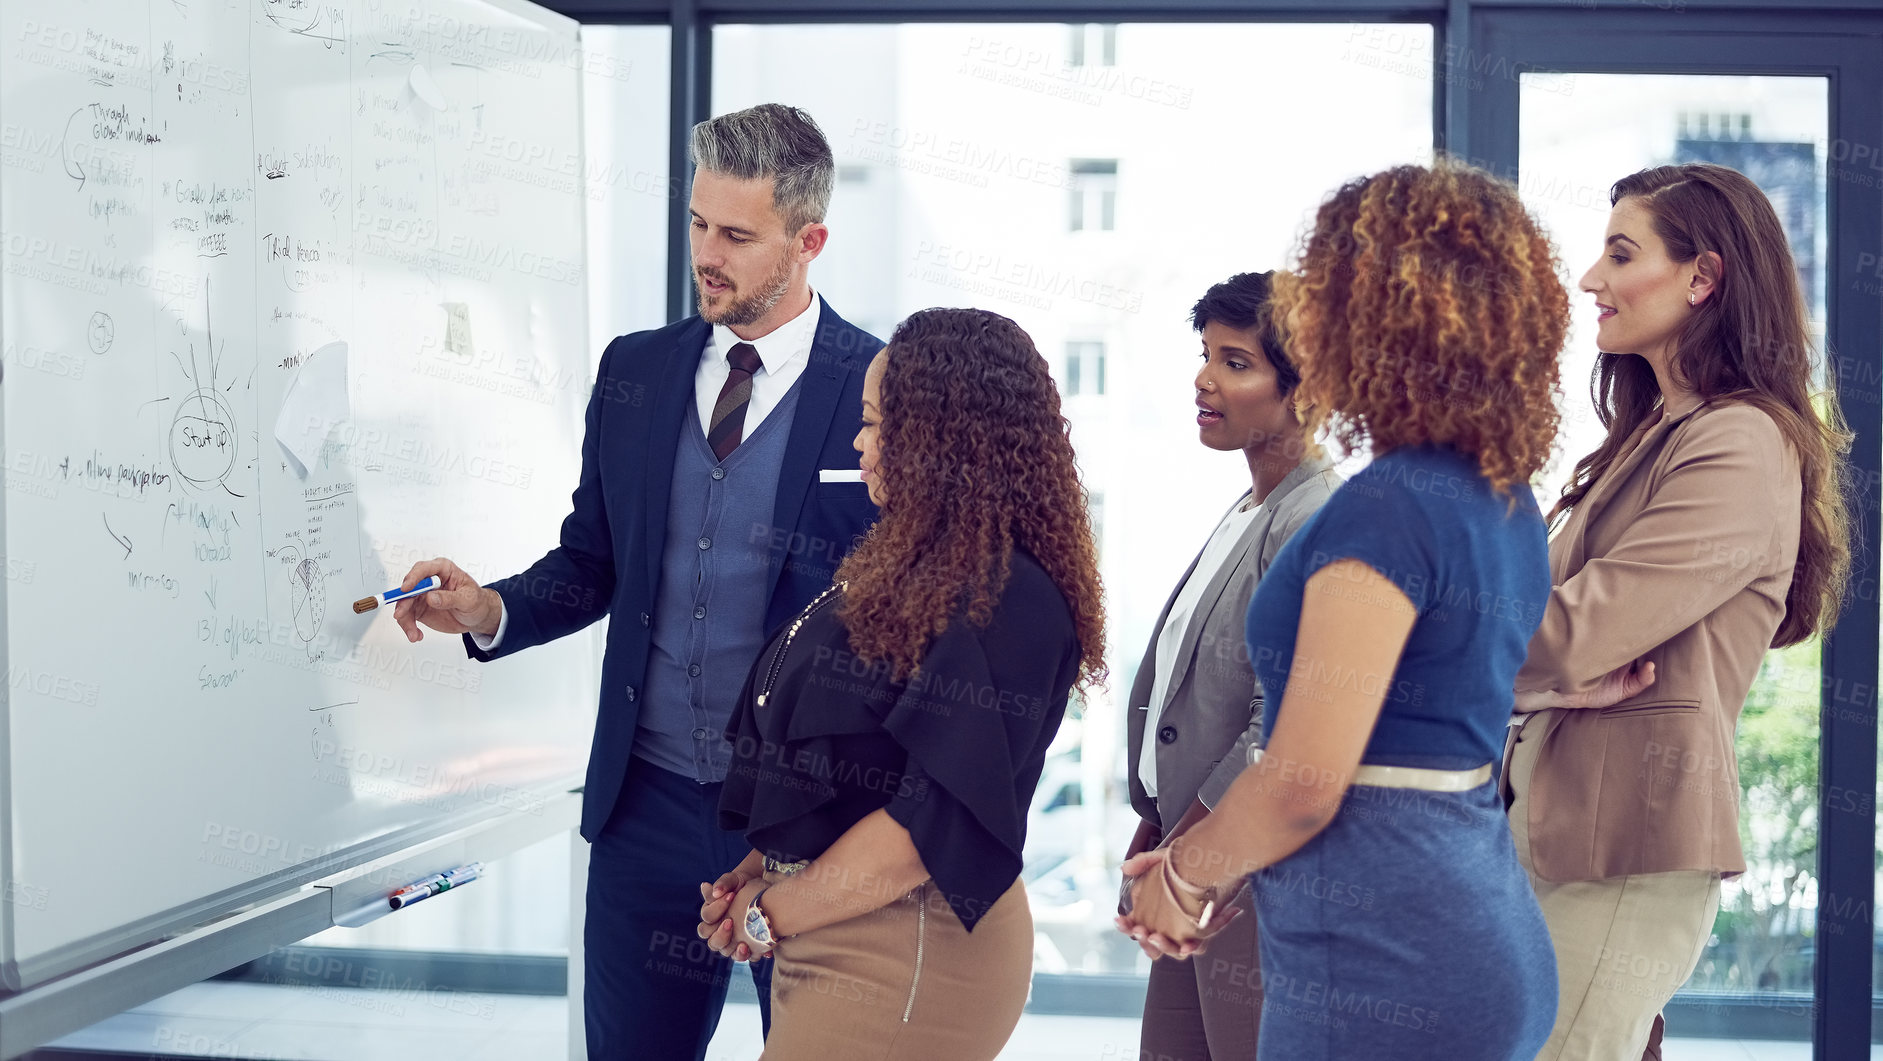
(778,657)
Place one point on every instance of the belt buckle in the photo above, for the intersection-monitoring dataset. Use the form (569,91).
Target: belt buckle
(772,865)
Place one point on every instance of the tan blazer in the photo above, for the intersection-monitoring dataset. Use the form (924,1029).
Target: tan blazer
(1681,554)
(1213,712)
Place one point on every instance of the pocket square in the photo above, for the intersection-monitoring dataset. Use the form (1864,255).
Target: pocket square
(840,475)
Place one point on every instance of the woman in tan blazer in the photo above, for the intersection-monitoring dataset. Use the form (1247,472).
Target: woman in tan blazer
(1707,527)
(1196,708)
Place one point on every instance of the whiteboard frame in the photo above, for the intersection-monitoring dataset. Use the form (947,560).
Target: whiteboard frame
(18,975)
(36,1017)
(8,976)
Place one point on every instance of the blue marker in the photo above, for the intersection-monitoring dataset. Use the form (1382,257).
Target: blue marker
(367,604)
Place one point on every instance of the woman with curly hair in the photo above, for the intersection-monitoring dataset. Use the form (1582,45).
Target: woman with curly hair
(1715,500)
(1395,922)
(889,738)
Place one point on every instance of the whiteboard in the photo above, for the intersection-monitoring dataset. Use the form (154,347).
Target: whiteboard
(368,212)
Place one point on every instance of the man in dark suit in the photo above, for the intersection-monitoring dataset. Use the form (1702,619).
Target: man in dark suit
(719,491)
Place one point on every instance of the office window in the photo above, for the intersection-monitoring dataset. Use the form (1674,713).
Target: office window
(1094,44)
(1092,187)
(1773,129)
(624,103)
(975,136)
(1085,369)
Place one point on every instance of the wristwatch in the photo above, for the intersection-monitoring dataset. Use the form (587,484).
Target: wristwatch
(756,925)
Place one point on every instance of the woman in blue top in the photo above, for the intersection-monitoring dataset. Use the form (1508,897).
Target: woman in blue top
(1394,919)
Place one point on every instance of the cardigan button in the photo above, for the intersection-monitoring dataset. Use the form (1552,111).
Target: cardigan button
(645,621)
(1167,735)
(630,694)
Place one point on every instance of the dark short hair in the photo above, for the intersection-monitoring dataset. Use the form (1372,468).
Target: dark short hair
(1241,302)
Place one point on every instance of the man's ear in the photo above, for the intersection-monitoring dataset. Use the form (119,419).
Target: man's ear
(811,239)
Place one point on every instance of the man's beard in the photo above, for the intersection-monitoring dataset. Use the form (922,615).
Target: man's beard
(742,311)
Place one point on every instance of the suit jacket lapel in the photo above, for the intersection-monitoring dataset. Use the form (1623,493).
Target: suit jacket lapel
(1248,550)
(1146,678)
(819,390)
(1604,489)
(674,391)
(1213,591)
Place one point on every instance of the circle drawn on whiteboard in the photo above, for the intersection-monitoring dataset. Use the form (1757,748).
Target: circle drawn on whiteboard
(101,331)
(202,438)
(307,598)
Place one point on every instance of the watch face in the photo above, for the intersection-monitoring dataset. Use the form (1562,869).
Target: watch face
(756,927)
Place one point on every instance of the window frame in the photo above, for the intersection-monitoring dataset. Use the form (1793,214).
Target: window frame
(1839,46)
(1477,121)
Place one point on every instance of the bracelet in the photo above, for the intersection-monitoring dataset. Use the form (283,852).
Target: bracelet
(1195,891)
(1172,882)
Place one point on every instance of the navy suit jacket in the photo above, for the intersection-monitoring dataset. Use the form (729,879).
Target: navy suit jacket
(609,559)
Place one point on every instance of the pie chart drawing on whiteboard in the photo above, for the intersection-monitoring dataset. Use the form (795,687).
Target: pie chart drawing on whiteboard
(307,599)
(307,591)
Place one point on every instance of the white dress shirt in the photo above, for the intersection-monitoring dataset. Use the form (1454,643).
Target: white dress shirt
(1219,551)
(785,352)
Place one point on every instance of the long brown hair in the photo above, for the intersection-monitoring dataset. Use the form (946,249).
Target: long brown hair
(1426,308)
(1749,342)
(978,461)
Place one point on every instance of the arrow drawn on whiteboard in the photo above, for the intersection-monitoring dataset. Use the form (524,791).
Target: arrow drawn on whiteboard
(211,591)
(72,168)
(126,542)
(203,427)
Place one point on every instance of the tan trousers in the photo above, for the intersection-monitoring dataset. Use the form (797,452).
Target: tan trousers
(1209,1007)
(1623,946)
(903,983)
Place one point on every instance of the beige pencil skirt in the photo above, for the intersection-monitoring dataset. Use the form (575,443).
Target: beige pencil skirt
(903,983)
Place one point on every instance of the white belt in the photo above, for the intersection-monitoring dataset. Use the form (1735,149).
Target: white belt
(1411,776)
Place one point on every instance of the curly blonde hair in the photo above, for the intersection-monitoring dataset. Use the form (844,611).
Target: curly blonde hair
(1426,307)
(979,462)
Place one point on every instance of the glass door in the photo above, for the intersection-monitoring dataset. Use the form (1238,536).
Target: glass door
(1796,103)
(1578,134)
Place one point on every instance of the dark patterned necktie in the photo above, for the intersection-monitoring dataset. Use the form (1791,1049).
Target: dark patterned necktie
(728,424)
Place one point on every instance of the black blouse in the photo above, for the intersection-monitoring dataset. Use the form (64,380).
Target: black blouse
(954,753)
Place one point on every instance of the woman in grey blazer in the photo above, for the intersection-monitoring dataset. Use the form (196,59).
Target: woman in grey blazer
(1195,707)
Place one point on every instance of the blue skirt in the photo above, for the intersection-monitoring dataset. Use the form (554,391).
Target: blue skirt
(1405,930)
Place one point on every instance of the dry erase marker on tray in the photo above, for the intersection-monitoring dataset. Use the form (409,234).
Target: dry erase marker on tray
(367,604)
(431,886)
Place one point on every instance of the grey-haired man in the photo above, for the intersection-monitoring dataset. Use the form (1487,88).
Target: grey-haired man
(700,522)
